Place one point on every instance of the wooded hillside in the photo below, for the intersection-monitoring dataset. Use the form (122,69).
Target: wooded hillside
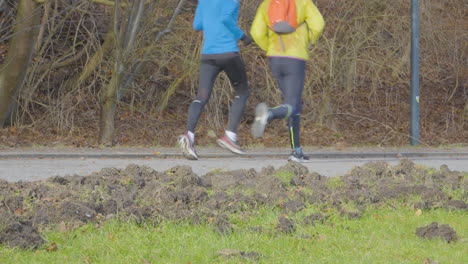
(84,67)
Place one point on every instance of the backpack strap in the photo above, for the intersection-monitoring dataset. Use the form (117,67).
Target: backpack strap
(282,43)
(283,47)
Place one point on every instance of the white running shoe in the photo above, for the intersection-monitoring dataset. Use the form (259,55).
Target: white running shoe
(187,147)
(261,120)
(298,157)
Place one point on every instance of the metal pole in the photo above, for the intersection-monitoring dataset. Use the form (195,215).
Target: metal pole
(415,73)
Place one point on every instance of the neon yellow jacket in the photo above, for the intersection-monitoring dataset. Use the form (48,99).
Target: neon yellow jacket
(295,44)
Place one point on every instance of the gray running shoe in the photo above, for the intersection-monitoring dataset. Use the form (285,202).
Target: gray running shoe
(230,145)
(187,147)
(261,120)
(298,157)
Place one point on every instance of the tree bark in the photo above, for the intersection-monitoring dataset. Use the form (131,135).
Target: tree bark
(21,47)
(107,117)
(124,75)
(124,46)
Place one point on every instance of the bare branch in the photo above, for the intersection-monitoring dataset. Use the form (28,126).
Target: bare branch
(108,3)
(136,24)
(139,66)
(171,23)
(104,2)
(65,63)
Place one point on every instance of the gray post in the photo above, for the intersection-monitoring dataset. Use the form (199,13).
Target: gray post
(414,73)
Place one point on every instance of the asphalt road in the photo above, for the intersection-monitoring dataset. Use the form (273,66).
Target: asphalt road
(32,165)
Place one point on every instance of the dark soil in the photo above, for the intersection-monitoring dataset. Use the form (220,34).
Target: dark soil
(141,194)
(433,230)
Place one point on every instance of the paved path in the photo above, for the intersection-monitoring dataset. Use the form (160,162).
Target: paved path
(39,164)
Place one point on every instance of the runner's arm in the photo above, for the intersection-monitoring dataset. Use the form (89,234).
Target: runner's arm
(259,29)
(314,21)
(229,19)
(198,20)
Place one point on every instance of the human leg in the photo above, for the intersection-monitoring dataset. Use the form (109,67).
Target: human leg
(289,74)
(294,81)
(235,70)
(208,73)
(294,129)
(209,70)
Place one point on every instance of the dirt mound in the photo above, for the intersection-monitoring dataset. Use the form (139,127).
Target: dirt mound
(434,230)
(140,193)
(20,234)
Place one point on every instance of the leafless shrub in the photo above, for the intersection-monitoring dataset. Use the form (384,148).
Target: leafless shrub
(357,79)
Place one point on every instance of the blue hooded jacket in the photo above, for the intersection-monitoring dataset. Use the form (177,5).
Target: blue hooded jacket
(218,21)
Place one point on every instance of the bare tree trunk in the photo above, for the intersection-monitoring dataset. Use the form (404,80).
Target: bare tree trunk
(107,117)
(20,51)
(124,39)
(124,74)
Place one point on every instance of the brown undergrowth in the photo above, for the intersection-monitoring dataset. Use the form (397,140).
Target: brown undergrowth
(357,86)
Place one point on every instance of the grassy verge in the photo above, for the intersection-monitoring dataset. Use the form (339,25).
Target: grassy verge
(382,235)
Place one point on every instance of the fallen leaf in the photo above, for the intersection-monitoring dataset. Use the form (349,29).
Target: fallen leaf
(52,247)
(19,212)
(418,212)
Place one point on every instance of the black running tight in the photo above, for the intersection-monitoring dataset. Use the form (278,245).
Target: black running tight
(290,75)
(209,70)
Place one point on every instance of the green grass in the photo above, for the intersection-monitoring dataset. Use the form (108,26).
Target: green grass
(335,183)
(382,235)
(284,176)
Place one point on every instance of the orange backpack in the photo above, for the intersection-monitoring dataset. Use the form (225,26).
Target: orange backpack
(282,16)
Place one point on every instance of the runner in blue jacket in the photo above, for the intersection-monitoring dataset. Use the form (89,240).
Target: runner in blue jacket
(221,33)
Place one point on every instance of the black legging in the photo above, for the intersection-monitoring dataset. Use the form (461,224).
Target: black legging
(209,70)
(290,75)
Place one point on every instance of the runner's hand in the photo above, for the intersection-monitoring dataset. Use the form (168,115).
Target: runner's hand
(246,40)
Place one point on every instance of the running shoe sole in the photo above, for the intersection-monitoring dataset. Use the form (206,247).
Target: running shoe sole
(229,147)
(300,160)
(187,151)
(261,120)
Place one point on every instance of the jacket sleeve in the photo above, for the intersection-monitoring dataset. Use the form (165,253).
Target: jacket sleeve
(259,29)
(229,17)
(314,21)
(198,20)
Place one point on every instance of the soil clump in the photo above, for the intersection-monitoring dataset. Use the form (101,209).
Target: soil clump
(139,193)
(434,230)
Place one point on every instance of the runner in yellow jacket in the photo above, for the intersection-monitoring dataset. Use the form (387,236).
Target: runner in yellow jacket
(287,54)
(295,44)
